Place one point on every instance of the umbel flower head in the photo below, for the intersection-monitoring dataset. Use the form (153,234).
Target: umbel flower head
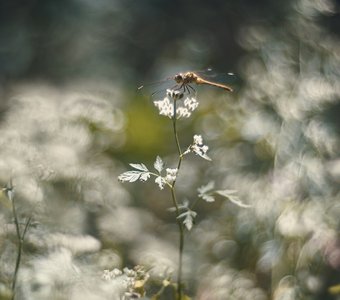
(198,147)
(184,107)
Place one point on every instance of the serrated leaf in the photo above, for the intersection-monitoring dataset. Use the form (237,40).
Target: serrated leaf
(171,209)
(188,218)
(184,205)
(140,167)
(159,164)
(229,194)
(182,215)
(205,191)
(205,188)
(144,176)
(132,176)
(188,222)
(206,157)
(226,193)
(208,198)
(238,202)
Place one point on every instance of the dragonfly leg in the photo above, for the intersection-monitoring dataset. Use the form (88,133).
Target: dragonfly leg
(180,87)
(189,87)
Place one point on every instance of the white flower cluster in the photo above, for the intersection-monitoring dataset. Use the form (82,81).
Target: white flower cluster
(169,178)
(133,280)
(171,175)
(184,108)
(198,147)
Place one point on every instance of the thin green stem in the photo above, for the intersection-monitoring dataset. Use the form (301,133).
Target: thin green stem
(179,150)
(17,263)
(181,244)
(21,238)
(176,137)
(175,203)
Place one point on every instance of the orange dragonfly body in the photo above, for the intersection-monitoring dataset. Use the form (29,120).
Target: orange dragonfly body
(184,81)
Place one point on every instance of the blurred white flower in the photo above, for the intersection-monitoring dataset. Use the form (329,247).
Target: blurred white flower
(132,279)
(158,255)
(50,275)
(76,244)
(222,283)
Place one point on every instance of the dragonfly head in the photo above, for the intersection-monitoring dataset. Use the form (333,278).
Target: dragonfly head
(179,78)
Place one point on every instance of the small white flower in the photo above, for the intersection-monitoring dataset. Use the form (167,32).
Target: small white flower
(109,275)
(165,107)
(106,275)
(184,108)
(117,272)
(182,112)
(198,140)
(198,147)
(129,272)
(191,103)
(174,94)
(160,181)
(171,175)
(130,280)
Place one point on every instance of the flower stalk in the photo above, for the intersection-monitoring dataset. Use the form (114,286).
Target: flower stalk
(175,107)
(9,191)
(175,203)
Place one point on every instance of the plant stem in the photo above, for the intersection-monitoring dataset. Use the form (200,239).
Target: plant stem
(181,244)
(175,203)
(17,264)
(20,246)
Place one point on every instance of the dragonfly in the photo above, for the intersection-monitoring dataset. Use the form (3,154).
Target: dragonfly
(185,80)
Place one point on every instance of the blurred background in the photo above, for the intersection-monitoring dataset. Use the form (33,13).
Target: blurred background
(72,118)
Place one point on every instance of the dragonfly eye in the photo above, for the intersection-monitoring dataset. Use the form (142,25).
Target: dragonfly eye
(179,78)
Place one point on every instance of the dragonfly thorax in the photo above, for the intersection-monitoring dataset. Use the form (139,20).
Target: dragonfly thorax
(185,78)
